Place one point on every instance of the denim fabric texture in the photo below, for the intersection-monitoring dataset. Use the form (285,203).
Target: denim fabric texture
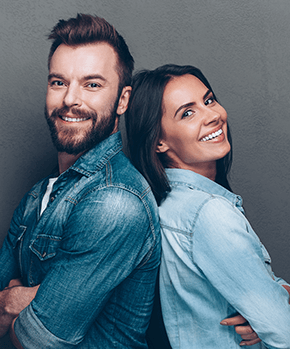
(95,252)
(214,266)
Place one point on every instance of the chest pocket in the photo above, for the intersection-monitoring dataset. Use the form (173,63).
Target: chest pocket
(45,247)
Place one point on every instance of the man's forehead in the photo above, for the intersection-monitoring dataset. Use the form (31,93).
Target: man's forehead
(87,58)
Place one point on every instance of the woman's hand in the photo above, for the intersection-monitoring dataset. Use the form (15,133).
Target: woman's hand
(242,328)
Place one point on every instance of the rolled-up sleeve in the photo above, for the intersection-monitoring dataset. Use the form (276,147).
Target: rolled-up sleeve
(233,259)
(106,237)
(35,335)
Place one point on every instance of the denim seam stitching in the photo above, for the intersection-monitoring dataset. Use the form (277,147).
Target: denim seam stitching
(71,200)
(33,194)
(176,230)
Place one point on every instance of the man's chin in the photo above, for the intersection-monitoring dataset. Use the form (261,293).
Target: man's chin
(72,149)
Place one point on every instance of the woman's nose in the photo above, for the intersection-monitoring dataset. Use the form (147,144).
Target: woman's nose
(212,116)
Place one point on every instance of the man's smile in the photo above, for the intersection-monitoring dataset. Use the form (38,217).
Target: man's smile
(71,119)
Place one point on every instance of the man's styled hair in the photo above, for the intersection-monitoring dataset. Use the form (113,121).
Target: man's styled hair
(88,29)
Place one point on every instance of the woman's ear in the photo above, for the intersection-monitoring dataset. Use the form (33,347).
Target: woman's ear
(124,100)
(162,147)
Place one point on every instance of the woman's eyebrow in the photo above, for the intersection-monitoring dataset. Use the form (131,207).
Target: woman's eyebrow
(183,106)
(190,104)
(208,92)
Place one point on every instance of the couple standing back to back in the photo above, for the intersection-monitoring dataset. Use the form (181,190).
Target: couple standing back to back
(80,261)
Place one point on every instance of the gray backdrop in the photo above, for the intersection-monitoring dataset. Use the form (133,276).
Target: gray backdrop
(242,47)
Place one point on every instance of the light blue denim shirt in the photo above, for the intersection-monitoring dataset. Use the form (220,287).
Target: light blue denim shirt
(214,266)
(95,252)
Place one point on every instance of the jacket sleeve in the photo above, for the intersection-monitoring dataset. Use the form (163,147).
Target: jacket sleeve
(106,237)
(236,263)
(9,255)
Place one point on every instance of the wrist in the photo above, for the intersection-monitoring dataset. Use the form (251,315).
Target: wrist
(287,288)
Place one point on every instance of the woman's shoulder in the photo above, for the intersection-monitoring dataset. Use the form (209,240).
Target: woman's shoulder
(192,197)
(183,206)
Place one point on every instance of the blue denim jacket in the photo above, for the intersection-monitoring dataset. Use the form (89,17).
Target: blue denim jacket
(95,251)
(213,266)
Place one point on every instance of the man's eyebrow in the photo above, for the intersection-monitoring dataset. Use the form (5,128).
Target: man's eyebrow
(55,76)
(94,76)
(87,77)
(190,104)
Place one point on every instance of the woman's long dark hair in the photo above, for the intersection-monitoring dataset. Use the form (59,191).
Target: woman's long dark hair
(143,126)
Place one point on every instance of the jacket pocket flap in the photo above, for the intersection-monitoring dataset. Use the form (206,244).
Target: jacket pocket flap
(45,246)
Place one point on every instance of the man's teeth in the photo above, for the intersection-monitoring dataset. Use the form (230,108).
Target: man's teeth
(65,118)
(212,135)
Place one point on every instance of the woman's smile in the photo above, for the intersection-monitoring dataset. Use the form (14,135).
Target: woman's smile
(212,136)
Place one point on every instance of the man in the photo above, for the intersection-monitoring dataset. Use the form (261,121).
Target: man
(84,242)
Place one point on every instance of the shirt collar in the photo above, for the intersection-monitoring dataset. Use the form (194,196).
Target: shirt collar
(94,159)
(197,181)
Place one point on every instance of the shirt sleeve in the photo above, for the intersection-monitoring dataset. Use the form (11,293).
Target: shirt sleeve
(236,263)
(9,258)
(106,237)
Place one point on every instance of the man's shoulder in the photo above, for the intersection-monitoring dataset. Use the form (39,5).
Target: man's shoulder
(122,173)
(114,180)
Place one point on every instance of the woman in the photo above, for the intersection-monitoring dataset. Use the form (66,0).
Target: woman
(213,264)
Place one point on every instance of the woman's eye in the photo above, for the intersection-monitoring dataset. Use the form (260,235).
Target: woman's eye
(209,101)
(187,114)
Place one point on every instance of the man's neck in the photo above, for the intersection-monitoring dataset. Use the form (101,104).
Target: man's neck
(66,160)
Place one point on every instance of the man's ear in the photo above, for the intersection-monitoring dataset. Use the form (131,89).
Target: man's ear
(124,100)
(162,147)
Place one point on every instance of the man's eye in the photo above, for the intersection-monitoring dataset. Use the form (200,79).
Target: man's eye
(57,83)
(93,85)
(187,114)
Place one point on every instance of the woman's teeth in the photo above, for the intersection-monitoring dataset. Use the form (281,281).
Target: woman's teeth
(65,118)
(212,135)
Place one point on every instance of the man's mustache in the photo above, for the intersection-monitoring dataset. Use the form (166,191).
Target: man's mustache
(73,111)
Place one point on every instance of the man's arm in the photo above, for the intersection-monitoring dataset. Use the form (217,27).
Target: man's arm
(248,335)
(242,328)
(13,337)
(13,299)
(94,258)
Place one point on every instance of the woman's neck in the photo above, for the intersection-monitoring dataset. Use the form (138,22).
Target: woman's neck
(206,169)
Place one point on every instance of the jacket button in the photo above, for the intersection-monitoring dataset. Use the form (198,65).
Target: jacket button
(51,199)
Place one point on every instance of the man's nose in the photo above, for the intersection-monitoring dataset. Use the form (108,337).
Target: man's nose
(72,97)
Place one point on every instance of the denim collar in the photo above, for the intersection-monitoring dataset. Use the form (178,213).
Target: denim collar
(197,181)
(94,159)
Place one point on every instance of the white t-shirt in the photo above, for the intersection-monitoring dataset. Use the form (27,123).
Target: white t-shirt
(47,194)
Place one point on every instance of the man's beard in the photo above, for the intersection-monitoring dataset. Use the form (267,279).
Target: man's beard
(67,139)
